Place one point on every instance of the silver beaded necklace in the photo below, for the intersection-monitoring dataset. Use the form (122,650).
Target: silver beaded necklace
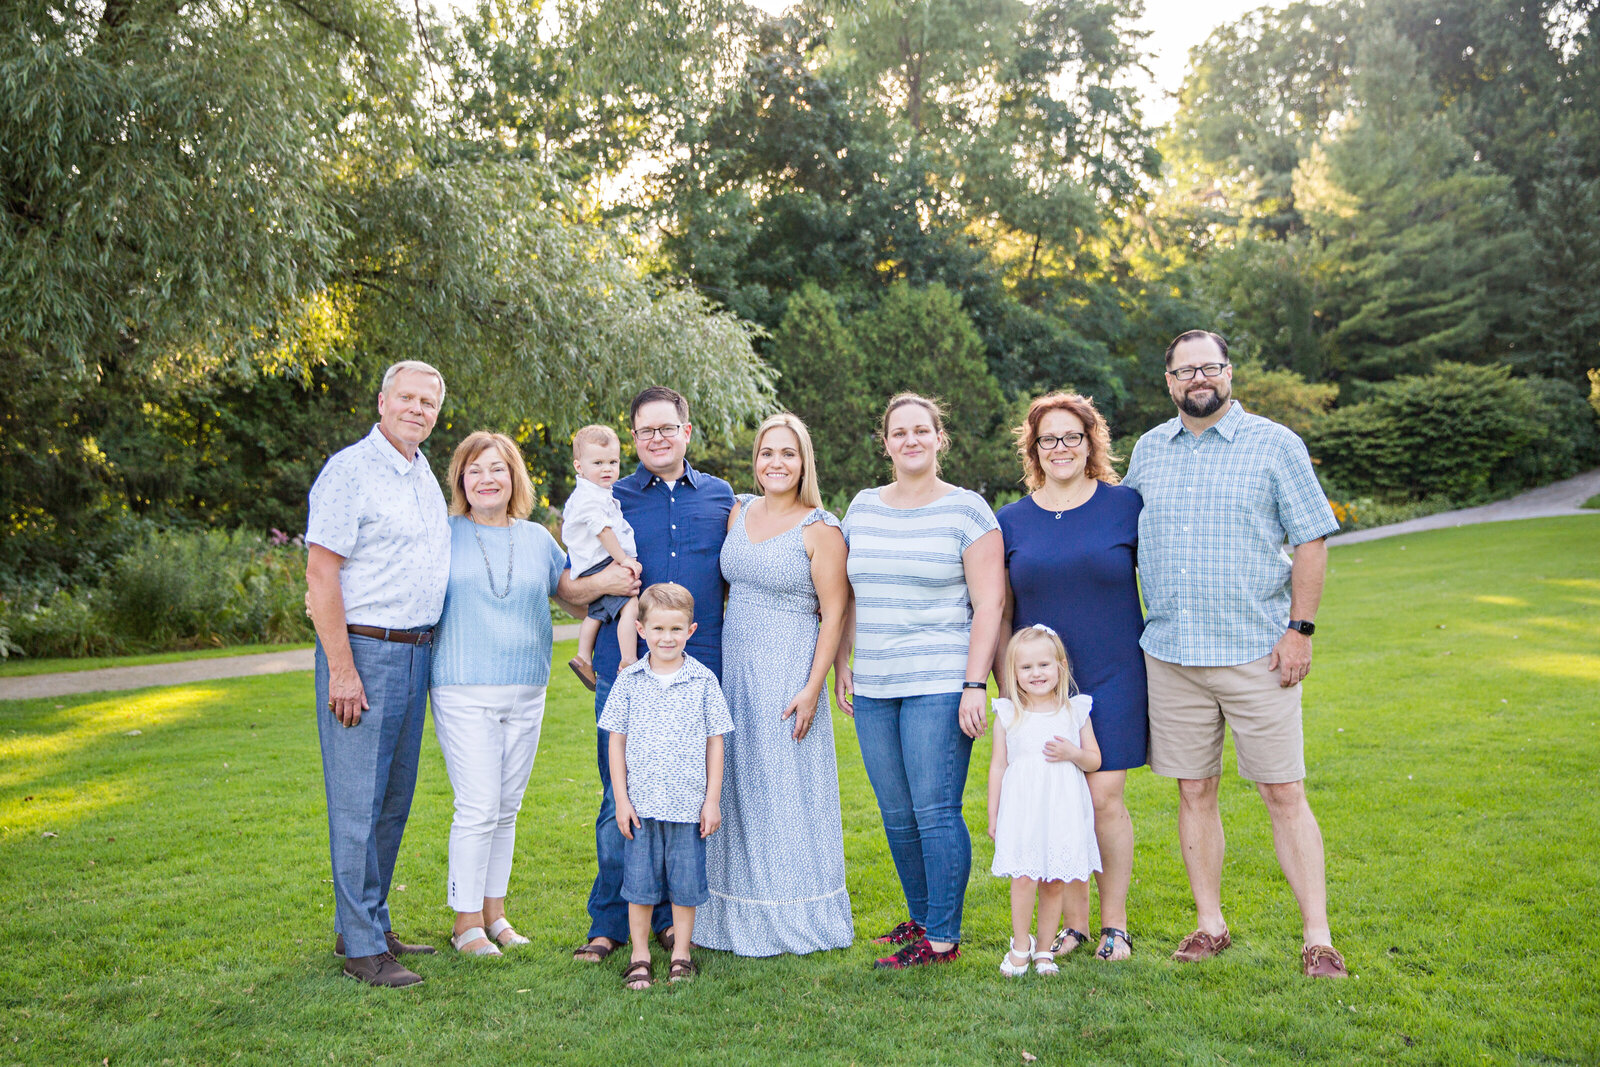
(511,559)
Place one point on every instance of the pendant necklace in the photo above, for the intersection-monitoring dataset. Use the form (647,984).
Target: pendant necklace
(511,559)
(1070,504)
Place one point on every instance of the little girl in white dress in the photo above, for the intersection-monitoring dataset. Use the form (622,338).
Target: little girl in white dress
(1041,816)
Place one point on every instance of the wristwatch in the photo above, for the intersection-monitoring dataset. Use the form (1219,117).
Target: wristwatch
(1306,628)
(975,685)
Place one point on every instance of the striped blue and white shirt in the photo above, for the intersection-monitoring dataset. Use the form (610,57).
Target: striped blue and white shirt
(1221,512)
(913,613)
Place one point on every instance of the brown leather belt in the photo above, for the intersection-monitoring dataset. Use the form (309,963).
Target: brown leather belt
(405,637)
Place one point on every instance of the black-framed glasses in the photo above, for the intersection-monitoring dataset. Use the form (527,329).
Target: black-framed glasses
(664,432)
(1184,374)
(1048,442)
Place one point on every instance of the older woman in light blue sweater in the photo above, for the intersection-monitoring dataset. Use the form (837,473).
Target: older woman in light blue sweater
(491,664)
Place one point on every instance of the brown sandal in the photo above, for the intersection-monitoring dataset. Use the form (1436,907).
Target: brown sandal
(639,971)
(682,970)
(667,938)
(593,948)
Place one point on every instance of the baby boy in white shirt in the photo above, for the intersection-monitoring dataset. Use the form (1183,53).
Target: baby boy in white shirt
(596,534)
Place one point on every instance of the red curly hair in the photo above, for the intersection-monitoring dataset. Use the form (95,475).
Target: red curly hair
(1097,436)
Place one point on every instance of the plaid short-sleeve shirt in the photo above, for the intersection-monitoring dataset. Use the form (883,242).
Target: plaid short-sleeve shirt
(1221,512)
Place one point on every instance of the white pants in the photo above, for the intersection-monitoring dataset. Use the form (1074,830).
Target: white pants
(489,735)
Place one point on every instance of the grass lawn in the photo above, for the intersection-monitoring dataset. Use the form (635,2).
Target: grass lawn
(163,860)
(1592,502)
(17,667)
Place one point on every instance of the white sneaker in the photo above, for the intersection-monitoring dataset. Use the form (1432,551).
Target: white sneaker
(1013,970)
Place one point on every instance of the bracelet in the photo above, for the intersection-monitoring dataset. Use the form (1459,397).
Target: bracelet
(975,685)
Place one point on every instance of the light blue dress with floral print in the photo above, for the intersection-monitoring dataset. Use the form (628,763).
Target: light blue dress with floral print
(776,868)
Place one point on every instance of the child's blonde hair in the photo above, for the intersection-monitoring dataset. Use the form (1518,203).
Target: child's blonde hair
(1037,632)
(666,596)
(594,435)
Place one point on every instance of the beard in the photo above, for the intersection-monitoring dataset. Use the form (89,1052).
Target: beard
(1199,409)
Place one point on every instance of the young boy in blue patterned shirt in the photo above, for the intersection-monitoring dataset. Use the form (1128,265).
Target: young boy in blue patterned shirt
(666,717)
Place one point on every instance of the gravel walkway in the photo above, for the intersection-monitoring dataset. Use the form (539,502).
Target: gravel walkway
(193,670)
(1560,498)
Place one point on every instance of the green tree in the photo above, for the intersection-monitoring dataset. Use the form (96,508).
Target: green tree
(1563,317)
(822,377)
(1421,244)
(921,341)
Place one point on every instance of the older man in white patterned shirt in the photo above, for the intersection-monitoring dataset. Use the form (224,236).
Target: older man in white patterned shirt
(379,543)
(1227,640)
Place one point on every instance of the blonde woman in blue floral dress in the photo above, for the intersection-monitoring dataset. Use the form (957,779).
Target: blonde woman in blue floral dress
(776,869)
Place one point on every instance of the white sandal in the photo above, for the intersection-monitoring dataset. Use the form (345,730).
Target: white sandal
(1012,970)
(1045,963)
(467,937)
(500,927)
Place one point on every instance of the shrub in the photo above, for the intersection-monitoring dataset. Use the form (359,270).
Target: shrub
(70,623)
(1562,440)
(1445,434)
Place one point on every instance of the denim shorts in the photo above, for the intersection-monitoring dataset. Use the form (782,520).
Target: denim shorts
(665,861)
(608,607)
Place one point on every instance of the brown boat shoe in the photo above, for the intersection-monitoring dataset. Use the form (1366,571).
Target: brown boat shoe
(1323,961)
(395,945)
(1201,946)
(382,970)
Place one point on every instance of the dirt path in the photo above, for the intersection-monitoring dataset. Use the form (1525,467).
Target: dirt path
(193,670)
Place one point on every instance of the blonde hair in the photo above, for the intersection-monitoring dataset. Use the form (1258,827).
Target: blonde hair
(594,434)
(1008,685)
(935,412)
(810,493)
(470,449)
(1097,435)
(666,596)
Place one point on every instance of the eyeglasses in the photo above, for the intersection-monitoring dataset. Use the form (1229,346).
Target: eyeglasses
(664,432)
(1210,370)
(1049,442)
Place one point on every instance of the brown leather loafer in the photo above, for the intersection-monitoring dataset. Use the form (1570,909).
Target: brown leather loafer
(1323,961)
(1201,946)
(382,970)
(396,946)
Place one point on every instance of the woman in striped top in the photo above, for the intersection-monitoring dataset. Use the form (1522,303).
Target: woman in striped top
(927,579)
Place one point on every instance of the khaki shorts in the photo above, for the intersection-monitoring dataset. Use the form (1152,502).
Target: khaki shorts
(1190,705)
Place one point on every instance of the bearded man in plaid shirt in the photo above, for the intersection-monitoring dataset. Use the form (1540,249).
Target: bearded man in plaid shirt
(1232,554)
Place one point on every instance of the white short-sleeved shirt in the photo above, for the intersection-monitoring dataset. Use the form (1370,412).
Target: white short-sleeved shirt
(666,726)
(387,517)
(590,509)
(913,612)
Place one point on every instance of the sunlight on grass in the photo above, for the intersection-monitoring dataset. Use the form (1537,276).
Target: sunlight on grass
(23,754)
(52,809)
(1579,666)
(1504,601)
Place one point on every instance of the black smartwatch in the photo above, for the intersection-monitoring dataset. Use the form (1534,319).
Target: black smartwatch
(1304,627)
(975,685)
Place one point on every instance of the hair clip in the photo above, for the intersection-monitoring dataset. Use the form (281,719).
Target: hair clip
(1043,627)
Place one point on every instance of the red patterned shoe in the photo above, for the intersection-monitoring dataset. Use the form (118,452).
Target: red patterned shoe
(916,954)
(906,931)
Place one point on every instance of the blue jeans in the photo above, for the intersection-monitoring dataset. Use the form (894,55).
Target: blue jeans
(369,772)
(608,912)
(916,758)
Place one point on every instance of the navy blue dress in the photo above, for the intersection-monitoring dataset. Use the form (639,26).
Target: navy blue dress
(1075,573)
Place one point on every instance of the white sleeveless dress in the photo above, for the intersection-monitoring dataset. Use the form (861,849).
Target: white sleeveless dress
(1045,828)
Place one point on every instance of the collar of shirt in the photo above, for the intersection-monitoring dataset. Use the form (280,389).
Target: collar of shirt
(1227,426)
(643,479)
(688,669)
(401,465)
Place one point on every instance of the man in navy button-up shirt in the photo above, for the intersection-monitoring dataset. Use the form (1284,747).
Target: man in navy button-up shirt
(679,518)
